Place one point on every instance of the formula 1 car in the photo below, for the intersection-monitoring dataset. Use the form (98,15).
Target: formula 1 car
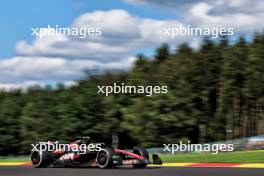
(102,157)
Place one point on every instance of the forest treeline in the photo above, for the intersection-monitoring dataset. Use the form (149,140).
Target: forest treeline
(214,93)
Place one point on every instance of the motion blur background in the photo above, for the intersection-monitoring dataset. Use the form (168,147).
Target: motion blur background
(49,85)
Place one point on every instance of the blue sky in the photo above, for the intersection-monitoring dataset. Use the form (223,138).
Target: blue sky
(128,27)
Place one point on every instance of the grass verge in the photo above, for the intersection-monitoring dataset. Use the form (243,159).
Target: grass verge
(14,159)
(230,157)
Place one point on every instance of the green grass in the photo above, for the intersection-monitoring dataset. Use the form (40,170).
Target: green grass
(232,157)
(15,159)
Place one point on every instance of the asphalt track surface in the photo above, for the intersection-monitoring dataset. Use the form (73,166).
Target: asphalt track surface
(150,171)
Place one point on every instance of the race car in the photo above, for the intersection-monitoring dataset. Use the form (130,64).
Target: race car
(97,154)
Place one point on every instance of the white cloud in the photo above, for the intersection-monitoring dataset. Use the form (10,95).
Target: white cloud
(63,46)
(25,69)
(121,33)
(220,6)
(244,15)
(200,15)
(26,84)
(116,24)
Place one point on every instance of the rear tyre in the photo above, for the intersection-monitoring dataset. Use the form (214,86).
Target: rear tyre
(142,152)
(104,158)
(40,159)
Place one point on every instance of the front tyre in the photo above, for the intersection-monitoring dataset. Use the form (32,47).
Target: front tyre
(40,158)
(104,158)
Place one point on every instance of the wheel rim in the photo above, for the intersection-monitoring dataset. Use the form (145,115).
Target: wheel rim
(35,158)
(102,158)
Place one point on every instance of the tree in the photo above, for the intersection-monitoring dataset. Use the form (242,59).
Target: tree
(162,53)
